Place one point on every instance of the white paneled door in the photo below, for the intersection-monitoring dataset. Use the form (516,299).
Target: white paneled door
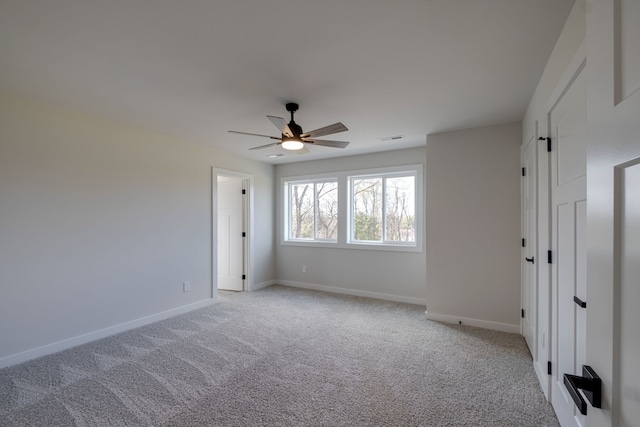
(529,244)
(231,220)
(568,132)
(613,173)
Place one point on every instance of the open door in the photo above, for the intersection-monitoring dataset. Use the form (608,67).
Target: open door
(232,230)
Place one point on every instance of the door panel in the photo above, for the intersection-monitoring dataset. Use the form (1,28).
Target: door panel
(627,296)
(581,282)
(230,228)
(628,35)
(529,270)
(613,213)
(567,121)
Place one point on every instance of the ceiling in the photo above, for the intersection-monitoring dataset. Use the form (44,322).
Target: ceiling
(198,68)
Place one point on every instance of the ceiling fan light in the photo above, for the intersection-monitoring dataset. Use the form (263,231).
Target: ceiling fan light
(292,144)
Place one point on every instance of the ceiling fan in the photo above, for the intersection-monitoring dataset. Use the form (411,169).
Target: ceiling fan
(293,138)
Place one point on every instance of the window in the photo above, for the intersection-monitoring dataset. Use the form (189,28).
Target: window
(313,210)
(383,209)
(379,209)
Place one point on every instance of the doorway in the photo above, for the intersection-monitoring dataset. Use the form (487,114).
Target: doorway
(231,230)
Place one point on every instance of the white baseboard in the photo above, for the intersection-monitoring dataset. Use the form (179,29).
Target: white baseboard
(354,292)
(486,324)
(266,284)
(55,347)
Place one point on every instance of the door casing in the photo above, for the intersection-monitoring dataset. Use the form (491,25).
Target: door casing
(249,227)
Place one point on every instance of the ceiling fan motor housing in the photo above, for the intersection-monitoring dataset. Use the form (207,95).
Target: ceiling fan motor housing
(296,129)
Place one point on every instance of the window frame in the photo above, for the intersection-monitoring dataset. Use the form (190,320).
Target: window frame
(286,188)
(351,211)
(343,179)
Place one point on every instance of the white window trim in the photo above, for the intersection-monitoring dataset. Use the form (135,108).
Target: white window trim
(285,188)
(344,209)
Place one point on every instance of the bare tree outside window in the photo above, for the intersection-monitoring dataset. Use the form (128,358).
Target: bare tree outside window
(367,209)
(301,211)
(313,208)
(400,209)
(393,195)
(383,209)
(327,216)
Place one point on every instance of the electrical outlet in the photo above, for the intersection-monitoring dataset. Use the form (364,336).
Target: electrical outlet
(304,268)
(186,286)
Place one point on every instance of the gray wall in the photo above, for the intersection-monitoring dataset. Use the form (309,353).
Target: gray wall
(399,276)
(473,226)
(101,222)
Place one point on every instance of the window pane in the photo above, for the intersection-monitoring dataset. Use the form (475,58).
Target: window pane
(327,220)
(367,209)
(301,211)
(400,213)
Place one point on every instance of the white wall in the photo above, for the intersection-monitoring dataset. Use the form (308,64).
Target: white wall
(535,122)
(572,36)
(398,276)
(473,226)
(101,222)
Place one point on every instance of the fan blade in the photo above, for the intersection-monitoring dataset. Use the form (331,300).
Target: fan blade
(335,144)
(303,150)
(281,125)
(327,130)
(253,134)
(265,146)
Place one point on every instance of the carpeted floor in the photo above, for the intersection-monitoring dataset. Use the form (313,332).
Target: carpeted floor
(284,357)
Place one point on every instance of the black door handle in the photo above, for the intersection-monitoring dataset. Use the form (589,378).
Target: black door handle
(589,383)
(581,303)
(531,260)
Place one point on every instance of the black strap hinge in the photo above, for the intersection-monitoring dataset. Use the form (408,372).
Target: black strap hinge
(244,191)
(244,234)
(524,171)
(549,257)
(542,138)
(524,243)
(244,277)
(549,371)
(522,313)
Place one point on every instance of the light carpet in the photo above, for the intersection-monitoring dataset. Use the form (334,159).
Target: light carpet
(284,357)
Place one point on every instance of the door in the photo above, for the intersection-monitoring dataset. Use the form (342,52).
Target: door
(231,231)
(613,216)
(529,245)
(568,132)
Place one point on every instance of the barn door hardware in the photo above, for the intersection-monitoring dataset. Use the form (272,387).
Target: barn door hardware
(531,260)
(591,386)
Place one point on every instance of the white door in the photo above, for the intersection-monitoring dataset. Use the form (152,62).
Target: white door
(613,224)
(529,244)
(568,132)
(230,233)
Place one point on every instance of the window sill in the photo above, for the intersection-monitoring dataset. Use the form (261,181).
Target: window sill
(356,246)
